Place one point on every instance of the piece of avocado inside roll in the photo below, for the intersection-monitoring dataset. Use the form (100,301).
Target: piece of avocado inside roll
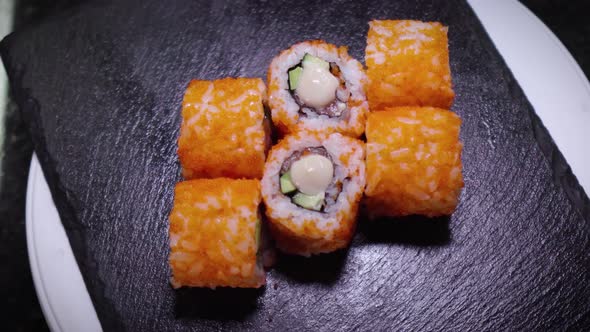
(312,202)
(287,185)
(294,75)
(310,59)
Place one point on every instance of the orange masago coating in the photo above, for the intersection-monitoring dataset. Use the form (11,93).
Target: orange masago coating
(223,131)
(413,162)
(408,64)
(213,234)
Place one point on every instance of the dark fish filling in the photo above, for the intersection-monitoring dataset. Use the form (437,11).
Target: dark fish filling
(333,190)
(338,108)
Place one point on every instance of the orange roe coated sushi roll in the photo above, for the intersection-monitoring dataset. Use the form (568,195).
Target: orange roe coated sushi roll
(408,64)
(292,96)
(306,231)
(413,162)
(214,234)
(223,130)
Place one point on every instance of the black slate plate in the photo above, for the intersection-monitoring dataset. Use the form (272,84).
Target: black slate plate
(101,86)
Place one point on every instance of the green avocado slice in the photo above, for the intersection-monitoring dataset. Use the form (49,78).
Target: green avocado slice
(308,58)
(287,185)
(294,75)
(314,202)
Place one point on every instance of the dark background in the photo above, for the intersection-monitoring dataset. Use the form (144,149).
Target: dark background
(21,310)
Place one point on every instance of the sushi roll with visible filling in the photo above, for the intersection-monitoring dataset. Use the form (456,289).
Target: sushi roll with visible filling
(311,187)
(224,132)
(408,64)
(318,86)
(215,234)
(413,162)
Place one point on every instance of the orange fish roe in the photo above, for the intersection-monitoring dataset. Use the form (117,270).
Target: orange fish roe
(408,65)
(213,227)
(222,132)
(413,162)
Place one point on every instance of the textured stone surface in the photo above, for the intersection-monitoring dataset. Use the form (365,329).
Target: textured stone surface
(103,106)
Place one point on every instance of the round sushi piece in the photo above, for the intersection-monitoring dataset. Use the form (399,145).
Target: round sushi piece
(312,185)
(413,162)
(315,85)
(215,234)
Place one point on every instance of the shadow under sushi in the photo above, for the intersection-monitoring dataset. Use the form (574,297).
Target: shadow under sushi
(221,304)
(412,230)
(324,268)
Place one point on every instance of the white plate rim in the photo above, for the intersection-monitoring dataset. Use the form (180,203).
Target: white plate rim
(60,288)
(39,283)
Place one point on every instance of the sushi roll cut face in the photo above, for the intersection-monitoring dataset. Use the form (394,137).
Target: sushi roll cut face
(413,162)
(224,132)
(408,64)
(315,85)
(312,186)
(215,234)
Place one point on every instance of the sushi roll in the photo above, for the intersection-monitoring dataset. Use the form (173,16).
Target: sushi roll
(413,162)
(317,86)
(224,132)
(408,65)
(215,234)
(311,188)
